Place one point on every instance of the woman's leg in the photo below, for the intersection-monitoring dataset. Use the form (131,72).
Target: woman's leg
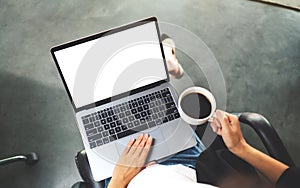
(187,157)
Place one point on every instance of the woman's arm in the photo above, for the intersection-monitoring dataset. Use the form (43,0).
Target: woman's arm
(131,162)
(228,126)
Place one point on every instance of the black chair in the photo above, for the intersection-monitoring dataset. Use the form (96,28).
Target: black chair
(260,124)
(219,167)
(30,159)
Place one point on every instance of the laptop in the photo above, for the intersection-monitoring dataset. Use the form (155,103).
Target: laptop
(119,87)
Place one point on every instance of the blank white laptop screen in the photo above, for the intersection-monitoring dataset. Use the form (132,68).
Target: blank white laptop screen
(113,64)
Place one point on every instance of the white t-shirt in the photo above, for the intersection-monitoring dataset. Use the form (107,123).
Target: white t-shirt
(174,176)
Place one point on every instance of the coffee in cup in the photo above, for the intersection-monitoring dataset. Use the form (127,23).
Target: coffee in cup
(196,105)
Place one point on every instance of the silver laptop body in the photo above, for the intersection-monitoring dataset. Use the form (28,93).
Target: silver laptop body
(119,87)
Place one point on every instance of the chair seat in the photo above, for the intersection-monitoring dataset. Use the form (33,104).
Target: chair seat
(85,172)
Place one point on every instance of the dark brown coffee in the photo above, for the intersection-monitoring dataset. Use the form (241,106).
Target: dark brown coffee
(196,105)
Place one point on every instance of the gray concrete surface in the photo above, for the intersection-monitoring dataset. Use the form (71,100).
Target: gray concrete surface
(257,46)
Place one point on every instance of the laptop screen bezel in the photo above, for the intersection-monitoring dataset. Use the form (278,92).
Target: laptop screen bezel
(103,34)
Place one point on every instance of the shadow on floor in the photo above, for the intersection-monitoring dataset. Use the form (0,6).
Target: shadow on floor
(37,118)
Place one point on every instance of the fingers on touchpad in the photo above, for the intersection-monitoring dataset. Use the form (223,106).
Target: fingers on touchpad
(158,148)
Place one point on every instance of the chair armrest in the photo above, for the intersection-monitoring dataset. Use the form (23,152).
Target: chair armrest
(85,172)
(268,136)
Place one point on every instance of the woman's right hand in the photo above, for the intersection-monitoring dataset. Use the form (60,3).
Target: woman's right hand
(228,126)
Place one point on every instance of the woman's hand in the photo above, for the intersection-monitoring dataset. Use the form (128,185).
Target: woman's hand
(228,126)
(131,162)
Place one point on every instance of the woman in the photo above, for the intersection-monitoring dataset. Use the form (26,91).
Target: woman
(132,172)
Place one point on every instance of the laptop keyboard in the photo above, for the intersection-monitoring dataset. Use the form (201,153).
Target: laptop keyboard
(130,117)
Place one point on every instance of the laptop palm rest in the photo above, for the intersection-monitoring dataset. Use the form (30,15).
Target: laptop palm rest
(158,150)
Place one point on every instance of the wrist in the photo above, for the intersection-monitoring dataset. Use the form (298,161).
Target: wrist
(240,148)
(115,183)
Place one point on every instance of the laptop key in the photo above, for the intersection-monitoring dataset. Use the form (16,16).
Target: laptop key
(130,125)
(169,99)
(176,115)
(151,124)
(162,107)
(158,122)
(88,126)
(131,118)
(127,113)
(142,120)
(152,97)
(170,117)
(149,112)
(133,111)
(105,140)
(154,116)
(104,115)
(155,110)
(121,115)
(109,119)
(161,114)
(97,123)
(85,121)
(111,131)
(94,137)
(166,94)
(113,125)
(125,120)
(165,120)
(141,102)
(99,142)
(125,133)
(143,114)
(110,113)
(105,133)
(139,109)
(136,123)
(117,110)
(106,127)
(159,96)
(91,132)
(103,121)
(171,111)
(170,105)
(112,138)
(148,118)
(93,144)
(115,117)
(100,129)
(118,129)
(140,128)
(137,116)
(151,105)
(124,127)
(122,108)
(92,119)
(147,100)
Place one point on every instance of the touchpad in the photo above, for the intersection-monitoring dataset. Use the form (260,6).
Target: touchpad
(158,149)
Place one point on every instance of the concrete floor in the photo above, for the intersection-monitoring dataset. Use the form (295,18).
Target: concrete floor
(257,46)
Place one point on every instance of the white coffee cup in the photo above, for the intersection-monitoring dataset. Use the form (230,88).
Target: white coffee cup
(201,91)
